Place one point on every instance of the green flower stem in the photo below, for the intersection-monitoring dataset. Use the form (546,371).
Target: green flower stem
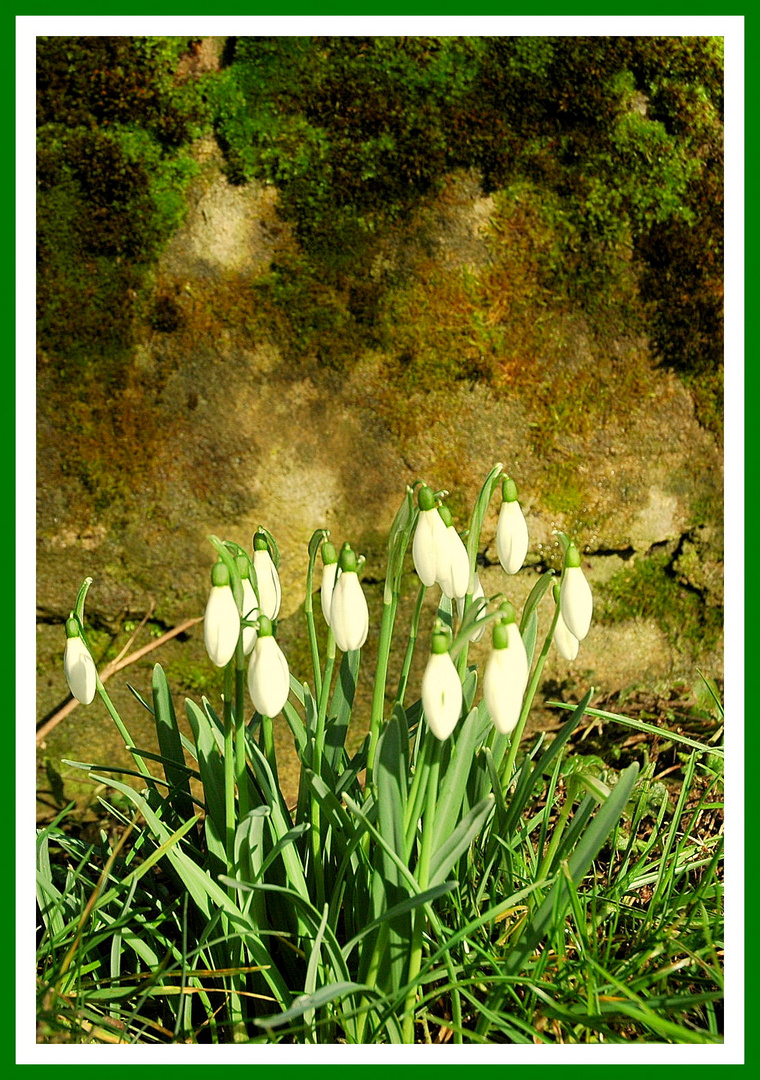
(413,630)
(267,745)
(381,677)
(244,802)
(557,832)
(379,953)
(308,607)
(417,793)
(128,740)
(506,775)
(422,875)
(229,772)
(319,746)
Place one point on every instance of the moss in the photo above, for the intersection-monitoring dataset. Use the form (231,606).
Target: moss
(649,589)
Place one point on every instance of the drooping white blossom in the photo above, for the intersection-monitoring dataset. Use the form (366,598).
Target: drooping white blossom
(329,576)
(78,666)
(267,582)
(250,612)
(576,602)
(349,615)
(506,677)
(221,622)
(268,673)
(511,530)
(441,694)
(453,565)
(567,644)
(430,539)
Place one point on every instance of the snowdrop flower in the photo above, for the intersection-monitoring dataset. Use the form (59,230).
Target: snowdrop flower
(349,616)
(477,595)
(576,603)
(78,666)
(441,687)
(511,530)
(506,674)
(329,575)
(567,644)
(268,674)
(221,623)
(250,604)
(453,574)
(267,579)
(430,538)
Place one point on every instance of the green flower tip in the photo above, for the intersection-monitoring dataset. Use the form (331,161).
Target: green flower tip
(348,561)
(329,554)
(441,639)
(446,515)
(265,627)
(72,627)
(425,498)
(572,557)
(260,542)
(500,636)
(244,567)
(555,592)
(508,489)
(220,575)
(508,613)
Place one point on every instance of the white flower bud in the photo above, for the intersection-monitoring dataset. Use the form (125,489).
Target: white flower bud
(567,644)
(268,676)
(429,544)
(221,625)
(453,565)
(506,677)
(250,612)
(79,668)
(511,537)
(349,615)
(441,694)
(329,574)
(576,602)
(268,582)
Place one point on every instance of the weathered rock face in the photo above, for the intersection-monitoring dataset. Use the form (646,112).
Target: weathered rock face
(246,438)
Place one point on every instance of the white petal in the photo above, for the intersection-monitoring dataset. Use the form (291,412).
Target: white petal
(251,612)
(453,566)
(504,683)
(349,615)
(329,574)
(79,668)
(221,625)
(567,644)
(441,695)
(268,677)
(268,582)
(425,545)
(511,537)
(576,602)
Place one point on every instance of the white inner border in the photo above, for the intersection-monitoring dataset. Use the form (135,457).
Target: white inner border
(732,29)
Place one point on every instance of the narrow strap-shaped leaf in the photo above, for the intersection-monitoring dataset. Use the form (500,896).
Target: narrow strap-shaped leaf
(454,783)
(323,996)
(170,744)
(210,764)
(457,843)
(579,863)
(340,708)
(391,779)
(528,778)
